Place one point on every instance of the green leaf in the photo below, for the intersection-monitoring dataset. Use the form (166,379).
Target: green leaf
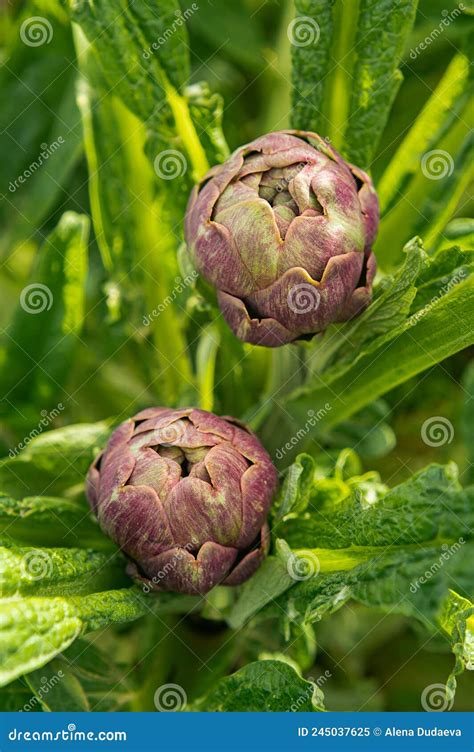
(135,226)
(468,419)
(268,582)
(57,571)
(430,170)
(398,548)
(147,74)
(367,432)
(82,678)
(56,689)
(456,618)
(52,462)
(393,299)
(264,685)
(366,365)
(206,110)
(41,149)
(427,507)
(363,43)
(34,630)
(461,230)
(49,521)
(293,495)
(39,345)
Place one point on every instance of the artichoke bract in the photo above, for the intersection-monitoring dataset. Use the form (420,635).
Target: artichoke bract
(185,494)
(283,230)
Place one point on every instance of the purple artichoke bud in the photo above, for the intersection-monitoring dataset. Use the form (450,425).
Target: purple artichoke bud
(185,494)
(283,230)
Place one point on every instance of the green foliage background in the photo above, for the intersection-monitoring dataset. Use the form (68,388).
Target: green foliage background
(98,227)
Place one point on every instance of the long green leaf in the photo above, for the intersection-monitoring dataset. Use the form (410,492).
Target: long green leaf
(345,69)
(430,170)
(37,350)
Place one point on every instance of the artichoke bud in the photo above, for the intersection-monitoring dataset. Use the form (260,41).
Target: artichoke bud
(185,494)
(283,231)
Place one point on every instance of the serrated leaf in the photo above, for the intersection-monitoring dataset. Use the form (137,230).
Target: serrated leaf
(335,47)
(293,495)
(271,685)
(383,362)
(34,630)
(57,571)
(147,75)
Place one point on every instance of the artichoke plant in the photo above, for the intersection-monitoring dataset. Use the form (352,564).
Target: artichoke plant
(185,494)
(283,230)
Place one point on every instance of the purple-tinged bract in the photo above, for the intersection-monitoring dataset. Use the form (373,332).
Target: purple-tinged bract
(185,494)
(283,230)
